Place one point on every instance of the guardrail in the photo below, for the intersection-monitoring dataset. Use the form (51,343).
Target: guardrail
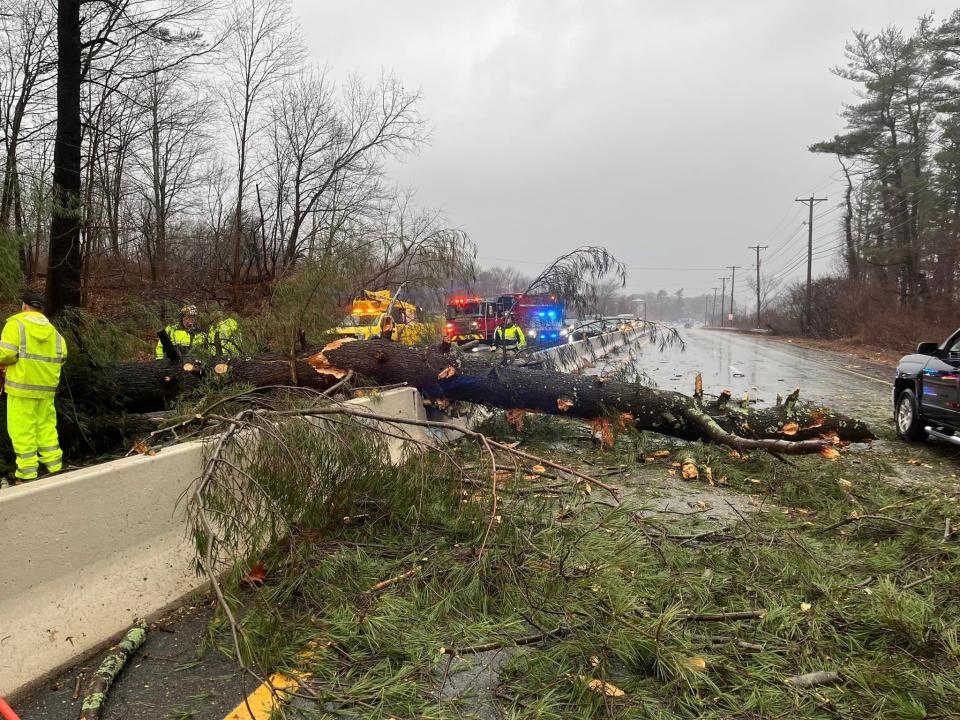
(87,552)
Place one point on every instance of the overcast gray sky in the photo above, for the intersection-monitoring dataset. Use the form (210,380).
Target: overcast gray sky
(674,133)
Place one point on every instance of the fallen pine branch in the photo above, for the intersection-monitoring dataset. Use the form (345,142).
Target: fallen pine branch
(921,581)
(500,644)
(383,584)
(814,679)
(883,518)
(742,644)
(724,616)
(117,656)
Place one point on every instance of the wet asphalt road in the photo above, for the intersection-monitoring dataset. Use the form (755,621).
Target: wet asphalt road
(765,366)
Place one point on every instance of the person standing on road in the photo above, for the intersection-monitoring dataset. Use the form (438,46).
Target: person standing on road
(32,354)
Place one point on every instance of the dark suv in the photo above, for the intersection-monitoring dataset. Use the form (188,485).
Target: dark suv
(926,392)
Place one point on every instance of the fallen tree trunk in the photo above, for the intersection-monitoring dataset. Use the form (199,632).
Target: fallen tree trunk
(150,386)
(790,428)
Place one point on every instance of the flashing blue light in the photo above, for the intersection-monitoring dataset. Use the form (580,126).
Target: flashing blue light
(551,314)
(540,314)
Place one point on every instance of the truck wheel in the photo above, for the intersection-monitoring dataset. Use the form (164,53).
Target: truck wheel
(907,417)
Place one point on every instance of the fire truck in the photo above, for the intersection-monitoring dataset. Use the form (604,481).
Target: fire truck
(470,318)
(475,318)
(540,316)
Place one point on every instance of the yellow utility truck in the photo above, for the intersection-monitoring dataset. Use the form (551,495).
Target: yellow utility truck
(377,313)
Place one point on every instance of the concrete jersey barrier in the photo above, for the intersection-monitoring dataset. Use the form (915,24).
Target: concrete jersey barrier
(576,355)
(89,551)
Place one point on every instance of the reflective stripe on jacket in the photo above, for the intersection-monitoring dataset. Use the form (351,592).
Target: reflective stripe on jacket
(184,340)
(509,336)
(224,338)
(34,352)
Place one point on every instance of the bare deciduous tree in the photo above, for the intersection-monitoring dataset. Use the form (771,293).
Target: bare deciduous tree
(263,48)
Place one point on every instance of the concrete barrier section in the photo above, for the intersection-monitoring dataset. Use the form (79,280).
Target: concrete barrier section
(87,552)
(576,355)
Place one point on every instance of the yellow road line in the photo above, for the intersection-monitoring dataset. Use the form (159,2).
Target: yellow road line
(265,699)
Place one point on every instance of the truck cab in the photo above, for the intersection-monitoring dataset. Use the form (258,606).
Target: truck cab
(926,393)
(376,314)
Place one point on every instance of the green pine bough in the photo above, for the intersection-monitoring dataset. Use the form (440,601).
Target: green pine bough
(99,686)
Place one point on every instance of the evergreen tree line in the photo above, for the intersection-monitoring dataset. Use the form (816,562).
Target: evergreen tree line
(899,218)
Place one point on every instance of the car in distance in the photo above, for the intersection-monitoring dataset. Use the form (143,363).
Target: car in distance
(926,392)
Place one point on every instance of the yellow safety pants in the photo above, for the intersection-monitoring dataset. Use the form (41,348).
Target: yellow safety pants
(32,425)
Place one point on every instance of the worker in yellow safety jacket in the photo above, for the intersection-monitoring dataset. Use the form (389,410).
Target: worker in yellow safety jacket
(186,336)
(32,353)
(509,336)
(223,338)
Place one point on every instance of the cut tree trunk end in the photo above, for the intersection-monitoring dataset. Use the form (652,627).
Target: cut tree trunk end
(793,428)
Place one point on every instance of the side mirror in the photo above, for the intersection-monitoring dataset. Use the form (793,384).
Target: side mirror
(928,348)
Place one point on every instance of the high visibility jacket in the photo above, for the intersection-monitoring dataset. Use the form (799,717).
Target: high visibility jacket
(224,338)
(34,352)
(186,341)
(509,336)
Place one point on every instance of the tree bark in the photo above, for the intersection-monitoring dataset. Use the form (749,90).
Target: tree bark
(99,687)
(781,429)
(64,264)
(149,386)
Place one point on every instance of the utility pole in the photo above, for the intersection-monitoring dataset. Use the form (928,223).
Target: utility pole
(733,279)
(808,303)
(706,309)
(713,309)
(758,248)
(723,300)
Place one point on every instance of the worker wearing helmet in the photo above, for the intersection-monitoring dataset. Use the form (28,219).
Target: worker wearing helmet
(32,353)
(224,337)
(509,336)
(186,336)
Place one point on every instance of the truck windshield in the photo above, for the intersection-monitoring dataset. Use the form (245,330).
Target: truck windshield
(358,321)
(470,309)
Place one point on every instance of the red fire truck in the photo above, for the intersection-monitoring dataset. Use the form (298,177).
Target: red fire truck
(470,318)
(475,318)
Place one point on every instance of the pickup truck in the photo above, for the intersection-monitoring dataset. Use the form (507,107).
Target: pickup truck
(926,392)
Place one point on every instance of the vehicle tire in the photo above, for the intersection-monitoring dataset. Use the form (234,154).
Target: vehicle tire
(907,418)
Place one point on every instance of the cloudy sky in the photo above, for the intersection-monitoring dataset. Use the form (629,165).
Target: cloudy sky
(674,133)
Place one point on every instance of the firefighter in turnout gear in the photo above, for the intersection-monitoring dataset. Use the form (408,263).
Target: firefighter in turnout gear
(32,353)
(509,336)
(185,336)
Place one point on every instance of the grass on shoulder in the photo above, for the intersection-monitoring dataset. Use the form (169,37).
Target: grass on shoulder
(374,593)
